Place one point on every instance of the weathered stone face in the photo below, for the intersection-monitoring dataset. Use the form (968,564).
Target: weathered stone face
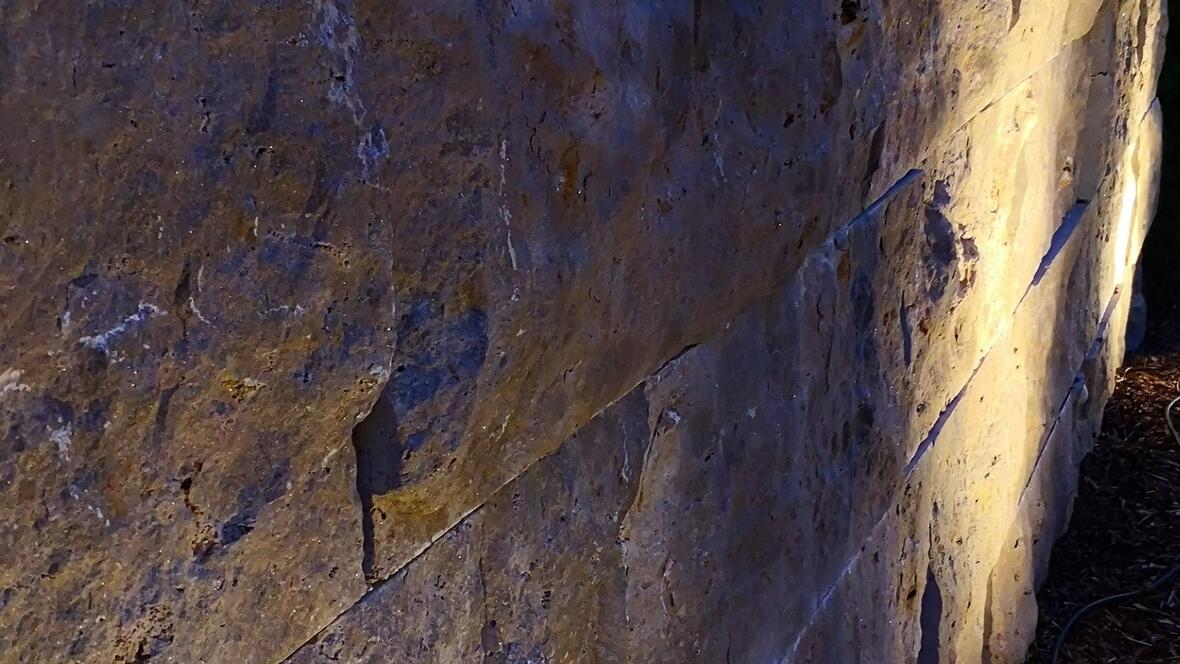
(350,331)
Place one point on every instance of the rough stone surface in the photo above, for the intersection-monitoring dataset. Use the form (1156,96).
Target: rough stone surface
(556,332)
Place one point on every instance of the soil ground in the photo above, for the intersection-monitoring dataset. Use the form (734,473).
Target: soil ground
(1125,529)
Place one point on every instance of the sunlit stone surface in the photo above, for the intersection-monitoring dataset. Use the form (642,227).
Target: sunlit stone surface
(657,332)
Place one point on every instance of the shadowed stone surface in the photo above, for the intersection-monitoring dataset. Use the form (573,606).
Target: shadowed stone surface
(556,332)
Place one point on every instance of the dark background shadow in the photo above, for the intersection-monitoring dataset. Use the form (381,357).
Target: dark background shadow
(1161,251)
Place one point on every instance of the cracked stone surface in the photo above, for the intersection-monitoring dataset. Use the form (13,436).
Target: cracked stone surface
(556,332)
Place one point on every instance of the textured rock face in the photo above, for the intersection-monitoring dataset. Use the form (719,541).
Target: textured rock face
(556,332)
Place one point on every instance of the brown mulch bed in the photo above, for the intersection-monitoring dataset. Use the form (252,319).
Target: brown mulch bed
(1125,530)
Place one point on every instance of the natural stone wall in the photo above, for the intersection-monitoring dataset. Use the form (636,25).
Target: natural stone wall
(557,332)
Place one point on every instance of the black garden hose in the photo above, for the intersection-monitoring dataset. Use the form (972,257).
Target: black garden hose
(1132,594)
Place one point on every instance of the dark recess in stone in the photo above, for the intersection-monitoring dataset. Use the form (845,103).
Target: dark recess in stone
(673,359)
(940,237)
(438,355)
(931,619)
(849,11)
(378,466)
(876,148)
(907,333)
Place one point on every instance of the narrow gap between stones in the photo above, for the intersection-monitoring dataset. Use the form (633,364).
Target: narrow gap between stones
(1078,389)
(1057,243)
(378,471)
(378,456)
(1069,224)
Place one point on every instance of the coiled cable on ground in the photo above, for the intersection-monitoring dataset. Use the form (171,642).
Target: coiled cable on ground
(1131,594)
